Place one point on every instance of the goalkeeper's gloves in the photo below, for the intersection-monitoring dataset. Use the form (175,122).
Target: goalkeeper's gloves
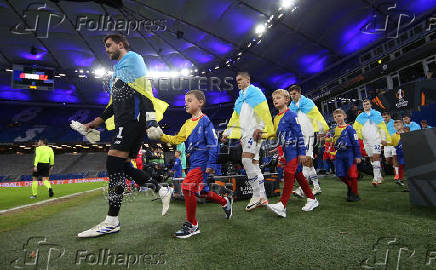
(154,132)
(152,123)
(92,135)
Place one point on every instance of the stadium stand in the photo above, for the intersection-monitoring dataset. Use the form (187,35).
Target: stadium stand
(67,166)
(28,123)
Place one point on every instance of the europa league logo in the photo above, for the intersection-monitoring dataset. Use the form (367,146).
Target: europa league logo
(401,101)
(400,94)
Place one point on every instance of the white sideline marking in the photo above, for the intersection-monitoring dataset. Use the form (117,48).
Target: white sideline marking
(46,201)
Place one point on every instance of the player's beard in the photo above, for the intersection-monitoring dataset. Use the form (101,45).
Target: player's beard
(115,55)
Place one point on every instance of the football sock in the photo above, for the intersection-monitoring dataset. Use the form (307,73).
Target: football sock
(251,172)
(376,170)
(261,181)
(311,176)
(112,220)
(46,184)
(117,183)
(141,177)
(401,172)
(34,188)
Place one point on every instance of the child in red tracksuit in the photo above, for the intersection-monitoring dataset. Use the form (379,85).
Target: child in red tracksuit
(136,163)
(327,147)
(291,140)
(329,153)
(202,146)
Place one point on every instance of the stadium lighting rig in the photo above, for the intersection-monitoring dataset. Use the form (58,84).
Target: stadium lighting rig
(102,72)
(285,7)
(287,4)
(99,72)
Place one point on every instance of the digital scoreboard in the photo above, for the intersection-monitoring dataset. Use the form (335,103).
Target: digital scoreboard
(32,77)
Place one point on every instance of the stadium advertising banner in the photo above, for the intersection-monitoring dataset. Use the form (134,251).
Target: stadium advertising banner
(54,182)
(407,98)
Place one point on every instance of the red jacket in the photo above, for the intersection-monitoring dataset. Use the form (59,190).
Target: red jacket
(329,148)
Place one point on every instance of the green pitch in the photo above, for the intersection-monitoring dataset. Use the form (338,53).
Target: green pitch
(383,229)
(15,196)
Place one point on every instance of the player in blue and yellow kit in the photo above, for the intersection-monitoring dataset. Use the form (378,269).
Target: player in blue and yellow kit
(202,146)
(396,142)
(290,138)
(347,154)
(132,112)
(410,125)
(389,150)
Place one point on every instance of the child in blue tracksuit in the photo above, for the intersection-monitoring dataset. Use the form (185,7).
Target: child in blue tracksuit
(202,146)
(177,169)
(348,154)
(291,142)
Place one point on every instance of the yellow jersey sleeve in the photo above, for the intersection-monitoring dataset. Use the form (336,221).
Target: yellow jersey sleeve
(176,139)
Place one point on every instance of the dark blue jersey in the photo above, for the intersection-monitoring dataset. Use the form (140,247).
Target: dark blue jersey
(200,140)
(346,139)
(289,134)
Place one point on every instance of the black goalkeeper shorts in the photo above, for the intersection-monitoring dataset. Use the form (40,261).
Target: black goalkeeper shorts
(129,137)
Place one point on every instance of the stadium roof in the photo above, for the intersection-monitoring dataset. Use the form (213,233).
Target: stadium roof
(200,37)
